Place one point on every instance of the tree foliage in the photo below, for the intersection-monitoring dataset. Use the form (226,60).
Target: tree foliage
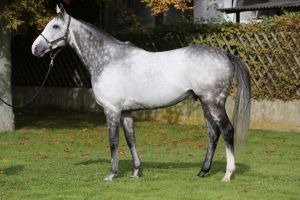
(22,13)
(162,6)
(26,12)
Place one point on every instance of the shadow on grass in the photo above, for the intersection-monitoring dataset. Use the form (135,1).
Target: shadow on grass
(125,166)
(57,119)
(13,170)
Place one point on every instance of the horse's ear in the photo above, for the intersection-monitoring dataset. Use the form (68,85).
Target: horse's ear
(60,9)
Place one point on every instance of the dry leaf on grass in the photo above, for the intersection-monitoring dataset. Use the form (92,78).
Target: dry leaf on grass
(82,154)
(162,132)
(42,155)
(5,161)
(22,142)
(67,149)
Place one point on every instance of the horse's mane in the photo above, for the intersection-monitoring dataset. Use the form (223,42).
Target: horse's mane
(98,33)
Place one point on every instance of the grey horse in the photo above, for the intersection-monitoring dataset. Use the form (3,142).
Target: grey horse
(126,78)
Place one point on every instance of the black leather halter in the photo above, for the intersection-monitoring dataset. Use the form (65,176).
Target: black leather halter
(65,37)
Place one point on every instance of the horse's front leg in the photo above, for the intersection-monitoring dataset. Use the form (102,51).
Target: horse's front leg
(127,123)
(113,122)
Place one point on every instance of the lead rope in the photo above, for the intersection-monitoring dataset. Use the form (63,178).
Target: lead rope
(51,64)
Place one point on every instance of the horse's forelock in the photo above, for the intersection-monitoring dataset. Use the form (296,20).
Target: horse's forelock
(60,16)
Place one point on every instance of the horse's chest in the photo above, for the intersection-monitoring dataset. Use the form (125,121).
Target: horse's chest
(106,91)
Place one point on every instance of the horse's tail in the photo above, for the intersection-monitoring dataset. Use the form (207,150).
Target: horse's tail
(241,112)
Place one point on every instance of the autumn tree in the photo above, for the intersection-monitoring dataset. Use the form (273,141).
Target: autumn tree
(162,6)
(36,13)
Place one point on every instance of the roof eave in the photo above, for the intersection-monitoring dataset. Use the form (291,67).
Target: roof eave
(234,10)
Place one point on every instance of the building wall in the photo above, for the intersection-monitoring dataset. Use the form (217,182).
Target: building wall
(206,10)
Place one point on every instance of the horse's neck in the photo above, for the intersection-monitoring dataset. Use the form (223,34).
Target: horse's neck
(94,50)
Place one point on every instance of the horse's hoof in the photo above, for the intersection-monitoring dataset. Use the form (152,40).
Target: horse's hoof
(135,173)
(109,177)
(225,179)
(227,176)
(201,174)
(134,176)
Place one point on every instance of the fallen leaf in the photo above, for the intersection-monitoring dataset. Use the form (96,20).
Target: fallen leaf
(271,150)
(82,154)
(162,132)
(174,140)
(186,140)
(26,137)
(200,145)
(53,142)
(89,144)
(42,155)
(22,142)
(67,149)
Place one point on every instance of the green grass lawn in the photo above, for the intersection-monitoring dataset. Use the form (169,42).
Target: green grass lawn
(65,155)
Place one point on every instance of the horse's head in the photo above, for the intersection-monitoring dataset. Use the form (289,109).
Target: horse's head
(54,35)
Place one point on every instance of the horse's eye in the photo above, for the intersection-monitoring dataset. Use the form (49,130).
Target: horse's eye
(55,26)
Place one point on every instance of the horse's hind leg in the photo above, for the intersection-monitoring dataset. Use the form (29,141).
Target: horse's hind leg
(220,117)
(228,135)
(127,123)
(213,137)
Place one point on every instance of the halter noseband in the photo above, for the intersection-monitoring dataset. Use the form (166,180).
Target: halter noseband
(50,44)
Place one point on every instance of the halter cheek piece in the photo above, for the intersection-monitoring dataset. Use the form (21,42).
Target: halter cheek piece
(51,43)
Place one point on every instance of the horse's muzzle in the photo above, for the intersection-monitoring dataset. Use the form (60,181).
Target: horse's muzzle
(38,50)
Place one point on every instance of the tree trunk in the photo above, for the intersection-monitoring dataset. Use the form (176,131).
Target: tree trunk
(6,113)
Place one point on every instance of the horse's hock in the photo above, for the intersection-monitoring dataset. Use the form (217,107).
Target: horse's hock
(276,115)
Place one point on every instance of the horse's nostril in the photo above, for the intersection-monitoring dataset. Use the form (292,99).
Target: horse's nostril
(33,48)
